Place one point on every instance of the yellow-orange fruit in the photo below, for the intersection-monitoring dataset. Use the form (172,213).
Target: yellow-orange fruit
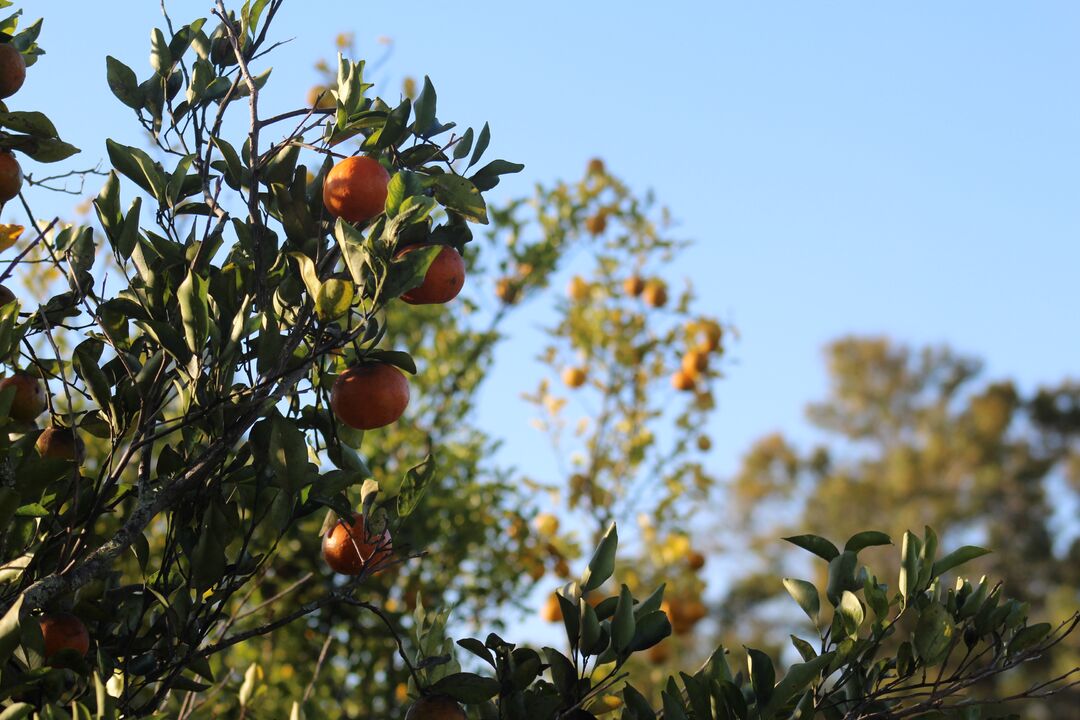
(60,443)
(507,290)
(595,167)
(355,189)
(704,444)
(29,400)
(552,610)
(633,285)
(444,279)
(655,293)
(320,98)
(658,654)
(369,396)
(681,380)
(12,70)
(10,176)
(578,289)
(596,224)
(435,707)
(695,560)
(64,631)
(349,549)
(574,377)
(695,362)
(712,334)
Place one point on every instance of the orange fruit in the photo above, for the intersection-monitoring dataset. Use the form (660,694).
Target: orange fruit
(695,611)
(350,549)
(695,560)
(355,189)
(507,290)
(681,380)
(444,279)
(552,610)
(369,396)
(578,289)
(655,293)
(60,443)
(320,98)
(596,167)
(6,295)
(29,400)
(712,335)
(64,631)
(574,377)
(658,654)
(695,362)
(10,176)
(704,444)
(12,70)
(596,224)
(633,285)
(435,707)
(562,568)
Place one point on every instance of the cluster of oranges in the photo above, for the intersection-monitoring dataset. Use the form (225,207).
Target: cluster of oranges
(12,77)
(703,338)
(373,395)
(60,631)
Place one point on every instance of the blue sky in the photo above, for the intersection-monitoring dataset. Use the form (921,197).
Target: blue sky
(901,168)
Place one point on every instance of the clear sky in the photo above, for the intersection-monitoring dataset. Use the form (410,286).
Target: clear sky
(901,168)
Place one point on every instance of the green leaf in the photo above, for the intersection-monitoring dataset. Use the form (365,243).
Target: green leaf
(805,649)
(815,544)
(762,675)
(464,144)
(933,634)
(47,150)
(806,595)
(956,558)
(851,610)
(876,598)
(649,629)
(487,177)
(123,83)
(195,311)
(160,55)
(591,639)
(413,487)
(334,299)
(425,109)
(1028,637)
(458,194)
(637,704)
(622,624)
(563,674)
(10,630)
(478,649)
(869,538)
(31,123)
(841,576)
(351,242)
(208,557)
(17,711)
(86,361)
(673,706)
(481,144)
(797,678)
(909,566)
(602,563)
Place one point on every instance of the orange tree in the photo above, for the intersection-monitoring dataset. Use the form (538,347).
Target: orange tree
(222,379)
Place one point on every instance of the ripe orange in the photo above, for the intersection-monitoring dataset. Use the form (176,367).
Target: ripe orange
(658,654)
(713,334)
(10,176)
(562,568)
(60,443)
(507,290)
(6,295)
(349,549)
(29,400)
(435,707)
(655,293)
(12,70)
(552,610)
(681,380)
(64,631)
(320,98)
(633,285)
(596,224)
(695,362)
(444,279)
(574,377)
(596,167)
(695,560)
(369,396)
(355,189)
(704,444)
(578,289)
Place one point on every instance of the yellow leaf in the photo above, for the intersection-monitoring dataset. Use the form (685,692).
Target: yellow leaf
(9,235)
